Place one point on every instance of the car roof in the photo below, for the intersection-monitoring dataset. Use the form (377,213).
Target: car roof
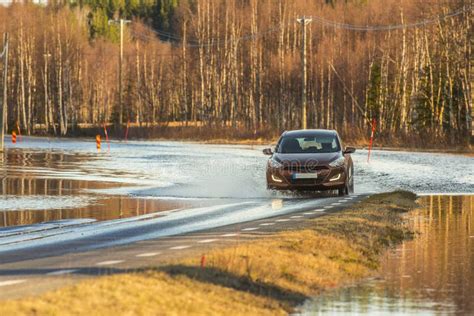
(309,133)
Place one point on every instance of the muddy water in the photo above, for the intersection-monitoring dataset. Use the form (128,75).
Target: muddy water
(431,275)
(39,186)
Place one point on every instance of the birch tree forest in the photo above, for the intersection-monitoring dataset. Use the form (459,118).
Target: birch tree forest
(236,65)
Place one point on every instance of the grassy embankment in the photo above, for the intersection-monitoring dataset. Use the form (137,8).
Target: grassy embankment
(271,275)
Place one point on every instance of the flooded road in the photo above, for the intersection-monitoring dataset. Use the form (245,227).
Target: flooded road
(45,186)
(47,179)
(431,275)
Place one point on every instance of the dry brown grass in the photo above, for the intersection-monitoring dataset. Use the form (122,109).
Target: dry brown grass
(266,276)
(146,293)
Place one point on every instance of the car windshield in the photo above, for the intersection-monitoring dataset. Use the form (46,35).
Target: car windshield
(309,145)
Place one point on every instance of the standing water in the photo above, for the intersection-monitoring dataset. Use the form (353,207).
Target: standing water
(432,274)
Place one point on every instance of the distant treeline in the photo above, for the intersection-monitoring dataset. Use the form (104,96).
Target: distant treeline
(237,64)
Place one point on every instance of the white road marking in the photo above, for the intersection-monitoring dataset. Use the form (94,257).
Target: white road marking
(319,210)
(348,198)
(283,220)
(296,216)
(109,263)
(249,229)
(229,235)
(11,282)
(148,254)
(267,224)
(206,241)
(180,247)
(62,272)
(327,207)
(337,203)
(342,201)
(308,213)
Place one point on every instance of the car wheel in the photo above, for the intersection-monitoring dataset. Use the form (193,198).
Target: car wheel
(351,186)
(343,191)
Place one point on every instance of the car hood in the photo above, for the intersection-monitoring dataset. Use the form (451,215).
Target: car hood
(302,159)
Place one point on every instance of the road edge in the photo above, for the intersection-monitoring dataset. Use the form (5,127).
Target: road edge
(270,275)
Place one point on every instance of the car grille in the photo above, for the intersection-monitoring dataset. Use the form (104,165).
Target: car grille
(307,181)
(305,169)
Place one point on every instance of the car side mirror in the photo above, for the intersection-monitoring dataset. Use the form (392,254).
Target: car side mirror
(268,151)
(349,150)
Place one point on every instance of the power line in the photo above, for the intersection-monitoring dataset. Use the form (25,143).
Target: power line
(167,35)
(213,41)
(390,27)
(320,20)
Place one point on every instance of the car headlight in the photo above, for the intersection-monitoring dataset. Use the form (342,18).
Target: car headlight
(275,164)
(339,162)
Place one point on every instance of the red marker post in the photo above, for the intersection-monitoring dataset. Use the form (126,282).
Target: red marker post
(107,137)
(19,132)
(203,261)
(13,137)
(374,125)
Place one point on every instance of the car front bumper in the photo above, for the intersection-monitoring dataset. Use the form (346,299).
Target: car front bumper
(327,179)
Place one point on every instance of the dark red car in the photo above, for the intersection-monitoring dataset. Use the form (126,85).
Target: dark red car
(310,160)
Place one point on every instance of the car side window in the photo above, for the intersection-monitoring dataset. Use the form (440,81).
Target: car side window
(340,143)
(277,147)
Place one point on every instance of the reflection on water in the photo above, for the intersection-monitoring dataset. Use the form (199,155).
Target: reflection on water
(47,186)
(433,274)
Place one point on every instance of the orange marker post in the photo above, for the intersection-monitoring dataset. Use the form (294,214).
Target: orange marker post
(374,125)
(13,137)
(97,142)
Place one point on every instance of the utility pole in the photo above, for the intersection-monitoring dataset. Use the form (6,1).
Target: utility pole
(304,21)
(121,23)
(471,101)
(3,101)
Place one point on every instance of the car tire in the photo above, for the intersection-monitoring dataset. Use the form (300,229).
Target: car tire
(351,186)
(343,191)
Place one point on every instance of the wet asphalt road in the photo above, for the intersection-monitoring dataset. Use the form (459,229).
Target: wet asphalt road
(30,267)
(61,237)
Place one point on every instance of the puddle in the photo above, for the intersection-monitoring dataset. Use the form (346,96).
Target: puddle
(431,275)
(42,187)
